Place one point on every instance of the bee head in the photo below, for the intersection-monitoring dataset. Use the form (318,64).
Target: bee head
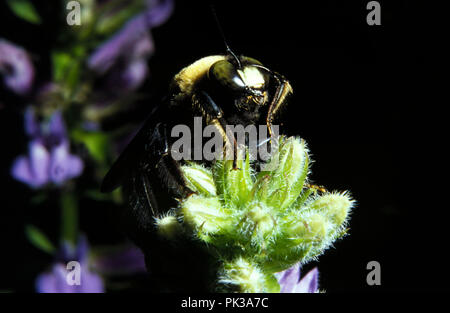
(243,78)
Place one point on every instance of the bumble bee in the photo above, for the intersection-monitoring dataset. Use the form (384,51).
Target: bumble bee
(223,90)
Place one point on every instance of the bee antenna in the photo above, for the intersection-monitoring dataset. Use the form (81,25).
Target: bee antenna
(222,34)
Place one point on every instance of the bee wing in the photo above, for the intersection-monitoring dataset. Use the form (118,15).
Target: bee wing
(130,159)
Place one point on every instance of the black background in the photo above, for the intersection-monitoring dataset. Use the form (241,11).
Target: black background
(359,102)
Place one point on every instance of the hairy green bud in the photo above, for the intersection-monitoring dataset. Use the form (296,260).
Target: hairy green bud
(199,179)
(336,205)
(204,215)
(285,183)
(168,226)
(242,275)
(234,185)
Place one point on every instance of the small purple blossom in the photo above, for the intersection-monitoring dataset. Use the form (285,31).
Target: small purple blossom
(130,74)
(125,55)
(48,159)
(158,12)
(123,45)
(290,281)
(55,280)
(16,67)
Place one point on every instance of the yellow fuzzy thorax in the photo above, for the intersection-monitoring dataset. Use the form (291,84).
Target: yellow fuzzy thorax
(189,75)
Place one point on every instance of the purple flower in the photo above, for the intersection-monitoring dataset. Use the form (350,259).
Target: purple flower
(158,12)
(290,281)
(124,56)
(55,280)
(16,67)
(48,159)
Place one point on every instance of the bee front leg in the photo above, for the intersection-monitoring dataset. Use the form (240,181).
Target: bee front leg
(215,115)
(282,91)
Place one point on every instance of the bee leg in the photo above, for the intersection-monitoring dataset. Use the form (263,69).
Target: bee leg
(316,188)
(282,91)
(213,111)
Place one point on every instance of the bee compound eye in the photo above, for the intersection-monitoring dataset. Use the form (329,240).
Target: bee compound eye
(225,73)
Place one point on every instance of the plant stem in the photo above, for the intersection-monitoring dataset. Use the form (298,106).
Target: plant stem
(69,217)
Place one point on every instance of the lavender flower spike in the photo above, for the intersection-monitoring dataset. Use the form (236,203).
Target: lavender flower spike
(124,56)
(16,67)
(122,45)
(290,281)
(48,159)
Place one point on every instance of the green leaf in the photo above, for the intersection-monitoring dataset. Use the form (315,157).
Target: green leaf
(61,65)
(113,15)
(66,67)
(25,10)
(39,239)
(96,142)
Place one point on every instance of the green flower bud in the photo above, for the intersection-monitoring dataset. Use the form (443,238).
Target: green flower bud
(258,221)
(168,226)
(205,215)
(234,184)
(244,276)
(336,205)
(317,227)
(199,179)
(307,227)
(285,183)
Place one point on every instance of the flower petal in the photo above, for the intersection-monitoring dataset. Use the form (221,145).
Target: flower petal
(66,251)
(32,170)
(39,163)
(53,281)
(16,66)
(63,165)
(32,127)
(143,47)
(289,278)
(158,11)
(82,249)
(119,45)
(90,282)
(75,166)
(309,283)
(21,170)
(58,164)
(131,77)
(56,126)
